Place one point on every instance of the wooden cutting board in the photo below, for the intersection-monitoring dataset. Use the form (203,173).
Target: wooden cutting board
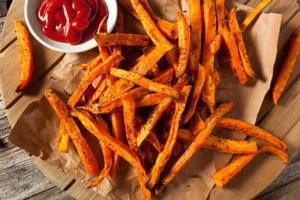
(282,120)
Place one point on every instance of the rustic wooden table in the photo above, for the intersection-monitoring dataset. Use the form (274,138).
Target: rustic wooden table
(21,179)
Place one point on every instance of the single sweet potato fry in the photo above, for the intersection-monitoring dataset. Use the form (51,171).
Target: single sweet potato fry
(254,13)
(115,145)
(220,10)
(208,93)
(251,130)
(90,76)
(118,132)
(25,49)
(216,43)
(107,156)
(196,91)
(195,14)
(221,144)
(129,121)
(83,149)
(288,66)
(146,83)
(196,144)
(235,60)
(184,44)
(152,138)
(118,39)
(63,141)
(222,176)
(225,174)
(59,107)
(209,16)
(152,120)
(236,32)
(149,100)
(166,153)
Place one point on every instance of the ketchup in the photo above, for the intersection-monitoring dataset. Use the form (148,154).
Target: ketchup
(71,21)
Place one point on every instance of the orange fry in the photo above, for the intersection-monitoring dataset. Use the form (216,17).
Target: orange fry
(107,39)
(84,151)
(254,13)
(222,176)
(288,66)
(235,60)
(216,44)
(208,93)
(90,76)
(209,16)
(152,120)
(220,10)
(152,138)
(104,52)
(236,32)
(250,130)
(196,91)
(221,144)
(196,124)
(118,132)
(166,153)
(146,83)
(129,121)
(225,174)
(107,156)
(196,144)
(281,154)
(184,44)
(115,145)
(25,49)
(149,100)
(196,33)
(56,103)
(63,141)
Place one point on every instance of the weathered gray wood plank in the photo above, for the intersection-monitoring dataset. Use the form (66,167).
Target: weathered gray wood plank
(287,192)
(19,178)
(51,194)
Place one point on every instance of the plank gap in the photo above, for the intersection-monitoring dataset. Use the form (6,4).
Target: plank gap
(7,45)
(37,80)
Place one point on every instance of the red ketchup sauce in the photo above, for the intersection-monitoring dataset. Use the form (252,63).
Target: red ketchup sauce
(71,21)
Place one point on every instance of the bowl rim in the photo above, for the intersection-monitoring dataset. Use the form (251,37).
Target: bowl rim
(88,45)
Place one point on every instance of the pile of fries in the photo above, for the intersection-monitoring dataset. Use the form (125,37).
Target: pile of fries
(151,98)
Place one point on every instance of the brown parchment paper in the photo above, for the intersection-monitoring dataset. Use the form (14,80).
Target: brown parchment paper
(37,129)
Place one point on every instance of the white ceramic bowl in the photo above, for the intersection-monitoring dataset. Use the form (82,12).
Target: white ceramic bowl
(34,27)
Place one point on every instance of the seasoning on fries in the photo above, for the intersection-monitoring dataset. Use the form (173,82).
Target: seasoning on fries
(157,108)
(229,171)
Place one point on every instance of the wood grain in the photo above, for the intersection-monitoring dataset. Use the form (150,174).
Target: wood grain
(8,36)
